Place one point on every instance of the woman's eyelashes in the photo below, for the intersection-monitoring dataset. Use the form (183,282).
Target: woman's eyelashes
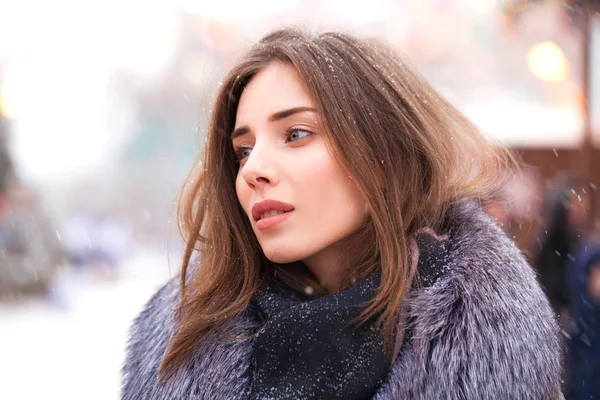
(242,153)
(297,134)
(293,135)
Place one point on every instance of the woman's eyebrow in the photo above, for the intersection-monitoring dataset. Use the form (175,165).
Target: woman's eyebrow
(286,113)
(279,115)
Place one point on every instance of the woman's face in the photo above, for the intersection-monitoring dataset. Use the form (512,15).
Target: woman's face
(284,157)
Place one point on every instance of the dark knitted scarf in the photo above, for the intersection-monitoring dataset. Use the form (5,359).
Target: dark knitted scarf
(308,348)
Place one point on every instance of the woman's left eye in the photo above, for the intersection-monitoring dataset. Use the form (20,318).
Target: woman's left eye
(298,134)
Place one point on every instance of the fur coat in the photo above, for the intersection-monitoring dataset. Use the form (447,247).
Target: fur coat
(483,330)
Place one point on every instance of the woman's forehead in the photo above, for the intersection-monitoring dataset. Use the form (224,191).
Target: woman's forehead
(276,87)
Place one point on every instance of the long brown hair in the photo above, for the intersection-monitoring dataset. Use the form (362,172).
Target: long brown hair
(407,149)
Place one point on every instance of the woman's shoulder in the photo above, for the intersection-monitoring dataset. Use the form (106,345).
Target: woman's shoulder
(158,312)
(147,341)
(483,328)
(478,249)
(485,271)
(470,249)
(156,322)
(217,365)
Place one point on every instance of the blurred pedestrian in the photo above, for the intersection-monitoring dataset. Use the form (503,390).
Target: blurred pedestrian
(583,359)
(563,227)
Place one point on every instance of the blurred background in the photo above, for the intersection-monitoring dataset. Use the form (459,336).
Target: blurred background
(103,106)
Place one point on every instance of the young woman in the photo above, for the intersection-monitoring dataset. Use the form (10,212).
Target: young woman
(336,248)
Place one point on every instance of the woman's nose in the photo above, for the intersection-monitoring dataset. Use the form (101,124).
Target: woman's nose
(260,169)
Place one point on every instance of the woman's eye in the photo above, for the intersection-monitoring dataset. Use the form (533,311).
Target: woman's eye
(242,153)
(298,134)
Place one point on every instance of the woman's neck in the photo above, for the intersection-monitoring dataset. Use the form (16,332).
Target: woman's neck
(327,266)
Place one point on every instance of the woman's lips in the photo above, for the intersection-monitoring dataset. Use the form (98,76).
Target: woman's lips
(273,220)
(265,206)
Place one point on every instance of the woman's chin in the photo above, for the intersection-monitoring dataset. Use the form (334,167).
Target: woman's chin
(282,257)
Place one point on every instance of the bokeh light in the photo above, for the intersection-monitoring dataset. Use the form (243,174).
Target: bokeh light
(547,61)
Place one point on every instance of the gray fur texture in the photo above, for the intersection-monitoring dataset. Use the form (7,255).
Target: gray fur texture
(484,330)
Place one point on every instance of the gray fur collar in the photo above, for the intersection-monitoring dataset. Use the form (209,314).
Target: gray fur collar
(483,330)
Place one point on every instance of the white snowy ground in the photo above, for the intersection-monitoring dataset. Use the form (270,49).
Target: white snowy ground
(76,353)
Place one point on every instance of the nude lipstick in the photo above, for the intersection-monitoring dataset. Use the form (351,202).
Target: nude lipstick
(269,213)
